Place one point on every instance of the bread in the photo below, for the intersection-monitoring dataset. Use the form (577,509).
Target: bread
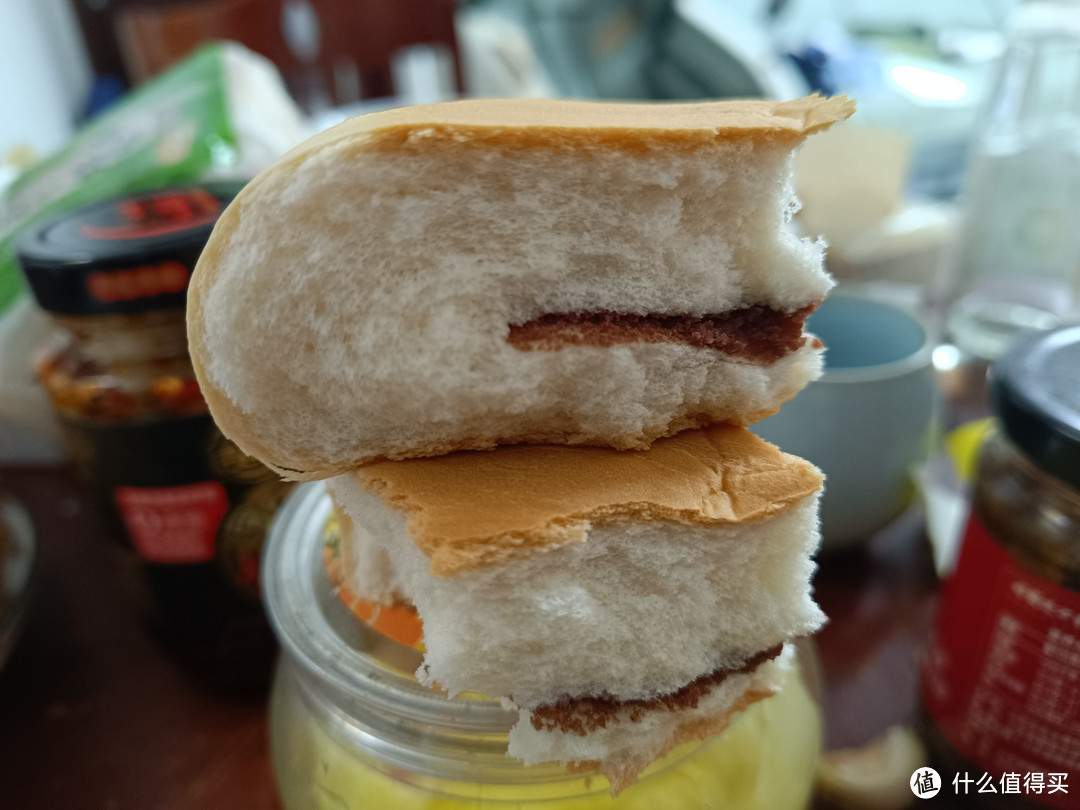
(371,576)
(522,340)
(476,273)
(546,574)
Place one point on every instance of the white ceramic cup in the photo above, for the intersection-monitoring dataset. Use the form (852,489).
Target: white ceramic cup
(869,420)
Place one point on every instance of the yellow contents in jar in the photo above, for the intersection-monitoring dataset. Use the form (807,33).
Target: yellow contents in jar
(764,761)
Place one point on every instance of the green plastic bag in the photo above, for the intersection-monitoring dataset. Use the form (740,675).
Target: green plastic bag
(179,127)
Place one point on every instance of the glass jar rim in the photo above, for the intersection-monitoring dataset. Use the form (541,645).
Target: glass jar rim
(331,643)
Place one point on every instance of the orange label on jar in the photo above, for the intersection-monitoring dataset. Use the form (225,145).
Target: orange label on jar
(173,525)
(145,281)
(1002,675)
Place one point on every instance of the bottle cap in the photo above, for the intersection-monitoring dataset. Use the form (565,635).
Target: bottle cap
(125,255)
(1035,392)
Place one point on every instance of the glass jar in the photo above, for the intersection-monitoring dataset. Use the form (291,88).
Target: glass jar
(1001,679)
(115,369)
(188,509)
(1032,515)
(351,728)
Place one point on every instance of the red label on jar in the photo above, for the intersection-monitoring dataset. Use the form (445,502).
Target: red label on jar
(157,215)
(173,524)
(1002,674)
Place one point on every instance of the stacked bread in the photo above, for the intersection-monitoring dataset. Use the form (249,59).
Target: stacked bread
(522,341)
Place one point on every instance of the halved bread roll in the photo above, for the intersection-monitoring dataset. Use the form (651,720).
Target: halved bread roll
(476,273)
(569,578)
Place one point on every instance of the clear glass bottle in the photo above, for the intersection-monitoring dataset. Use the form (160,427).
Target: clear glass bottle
(1016,264)
(351,729)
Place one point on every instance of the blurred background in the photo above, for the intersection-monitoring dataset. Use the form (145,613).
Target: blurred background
(951,197)
(883,190)
(920,68)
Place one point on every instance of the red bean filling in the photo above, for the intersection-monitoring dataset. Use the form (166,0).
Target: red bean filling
(581,715)
(757,333)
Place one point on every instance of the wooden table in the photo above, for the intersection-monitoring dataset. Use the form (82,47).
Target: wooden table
(94,715)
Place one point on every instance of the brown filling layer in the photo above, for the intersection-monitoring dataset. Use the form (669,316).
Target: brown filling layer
(757,333)
(582,715)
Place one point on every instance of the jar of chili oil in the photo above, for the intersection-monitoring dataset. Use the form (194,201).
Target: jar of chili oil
(188,509)
(1001,677)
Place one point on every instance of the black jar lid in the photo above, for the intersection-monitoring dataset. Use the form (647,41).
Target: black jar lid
(125,255)
(1035,392)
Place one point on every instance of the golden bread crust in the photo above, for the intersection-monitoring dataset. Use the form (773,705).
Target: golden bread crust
(532,123)
(472,509)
